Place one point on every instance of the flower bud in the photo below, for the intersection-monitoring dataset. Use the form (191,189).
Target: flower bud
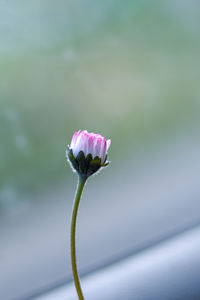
(87,152)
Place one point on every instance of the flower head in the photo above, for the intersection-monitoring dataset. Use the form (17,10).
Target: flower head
(88,152)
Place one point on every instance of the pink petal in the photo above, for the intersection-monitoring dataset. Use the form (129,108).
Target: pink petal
(97,147)
(85,142)
(79,144)
(90,144)
(108,144)
(103,150)
(94,143)
(74,138)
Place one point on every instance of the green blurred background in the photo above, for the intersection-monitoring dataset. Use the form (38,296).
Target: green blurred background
(128,70)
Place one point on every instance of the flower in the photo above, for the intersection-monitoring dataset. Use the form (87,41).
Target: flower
(88,152)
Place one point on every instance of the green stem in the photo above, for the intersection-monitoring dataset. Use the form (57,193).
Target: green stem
(80,187)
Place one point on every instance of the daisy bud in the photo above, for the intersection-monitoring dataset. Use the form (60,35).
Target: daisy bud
(87,152)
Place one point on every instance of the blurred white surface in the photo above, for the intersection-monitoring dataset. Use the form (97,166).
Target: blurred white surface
(169,270)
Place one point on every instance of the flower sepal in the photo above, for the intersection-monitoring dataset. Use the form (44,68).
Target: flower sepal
(85,166)
(106,163)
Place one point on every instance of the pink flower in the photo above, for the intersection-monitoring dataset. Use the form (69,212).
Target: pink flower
(89,143)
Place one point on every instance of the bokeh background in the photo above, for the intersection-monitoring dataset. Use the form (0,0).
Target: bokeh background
(128,70)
